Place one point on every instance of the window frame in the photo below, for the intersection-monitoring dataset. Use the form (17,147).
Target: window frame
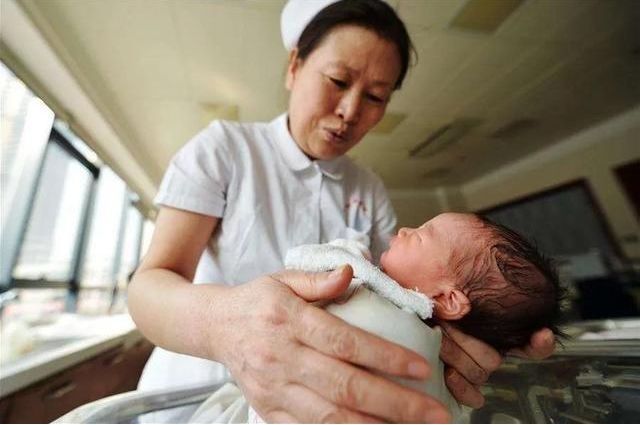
(132,202)
(20,214)
(55,137)
(16,225)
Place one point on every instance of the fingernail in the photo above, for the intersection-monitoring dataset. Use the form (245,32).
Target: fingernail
(450,374)
(418,370)
(549,338)
(337,272)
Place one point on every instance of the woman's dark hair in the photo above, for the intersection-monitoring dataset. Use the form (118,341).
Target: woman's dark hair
(374,15)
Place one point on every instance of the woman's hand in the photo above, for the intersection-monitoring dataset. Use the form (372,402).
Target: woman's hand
(297,363)
(470,361)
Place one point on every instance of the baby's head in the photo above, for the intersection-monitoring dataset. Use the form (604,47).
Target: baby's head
(488,279)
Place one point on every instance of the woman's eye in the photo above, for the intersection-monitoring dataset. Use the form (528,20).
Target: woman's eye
(375,99)
(339,83)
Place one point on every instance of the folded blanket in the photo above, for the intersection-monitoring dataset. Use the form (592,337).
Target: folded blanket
(325,257)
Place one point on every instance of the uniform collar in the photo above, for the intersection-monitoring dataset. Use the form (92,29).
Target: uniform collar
(295,158)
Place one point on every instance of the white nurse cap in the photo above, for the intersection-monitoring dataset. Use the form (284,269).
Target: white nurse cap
(295,17)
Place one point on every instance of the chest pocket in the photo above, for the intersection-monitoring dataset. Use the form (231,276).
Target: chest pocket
(358,221)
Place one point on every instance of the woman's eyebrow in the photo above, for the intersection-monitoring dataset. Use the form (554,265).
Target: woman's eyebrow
(382,83)
(350,70)
(341,64)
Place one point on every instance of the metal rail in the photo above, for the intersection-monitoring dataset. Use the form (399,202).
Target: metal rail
(121,408)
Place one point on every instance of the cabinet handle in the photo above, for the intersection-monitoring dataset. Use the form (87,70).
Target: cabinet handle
(60,391)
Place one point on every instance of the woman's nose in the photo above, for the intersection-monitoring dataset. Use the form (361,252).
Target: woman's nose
(349,107)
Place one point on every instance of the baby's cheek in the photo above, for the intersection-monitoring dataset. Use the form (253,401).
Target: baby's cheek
(386,262)
(382,257)
(402,276)
(418,286)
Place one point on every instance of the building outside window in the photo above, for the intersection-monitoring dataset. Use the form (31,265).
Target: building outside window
(25,125)
(106,232)
(49,246)
(71,231)
(147,233)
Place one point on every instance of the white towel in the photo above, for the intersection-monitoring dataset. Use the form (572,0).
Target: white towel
(325,257)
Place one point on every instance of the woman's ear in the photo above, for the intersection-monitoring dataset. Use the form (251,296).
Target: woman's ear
(292,68)
(451,304)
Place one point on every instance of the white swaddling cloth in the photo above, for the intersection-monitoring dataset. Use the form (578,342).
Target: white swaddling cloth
(373,302)
(330,256)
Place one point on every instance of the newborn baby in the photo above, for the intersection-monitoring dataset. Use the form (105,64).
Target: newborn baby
(484,278)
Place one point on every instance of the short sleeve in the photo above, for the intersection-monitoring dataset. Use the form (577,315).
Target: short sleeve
(383,221)
(199,174)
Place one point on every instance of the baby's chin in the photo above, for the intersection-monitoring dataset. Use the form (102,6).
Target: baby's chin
(390,273)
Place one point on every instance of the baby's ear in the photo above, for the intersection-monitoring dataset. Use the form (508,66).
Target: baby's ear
(451,304)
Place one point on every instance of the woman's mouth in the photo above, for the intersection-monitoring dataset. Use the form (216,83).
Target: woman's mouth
(337,137)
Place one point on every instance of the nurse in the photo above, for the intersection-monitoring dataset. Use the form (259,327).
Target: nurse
(238,195)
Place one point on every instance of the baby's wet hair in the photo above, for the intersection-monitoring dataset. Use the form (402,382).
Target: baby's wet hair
(522,297)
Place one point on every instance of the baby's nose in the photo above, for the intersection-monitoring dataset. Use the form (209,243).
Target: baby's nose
(403,231)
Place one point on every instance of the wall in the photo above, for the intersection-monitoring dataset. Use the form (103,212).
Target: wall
(591,154)
(414,207)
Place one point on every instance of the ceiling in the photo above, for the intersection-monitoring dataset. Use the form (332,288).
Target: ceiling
(162,69)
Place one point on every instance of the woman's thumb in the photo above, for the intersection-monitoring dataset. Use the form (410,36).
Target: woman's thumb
(317,286)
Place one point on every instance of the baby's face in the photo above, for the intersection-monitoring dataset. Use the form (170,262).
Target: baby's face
(434,253)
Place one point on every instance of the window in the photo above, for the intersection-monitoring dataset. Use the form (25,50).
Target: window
(566,223)
(25,126)
(50,246)
(129,256)
(130,252)
(71,231)
(147,234)
(113,247)
(100,263)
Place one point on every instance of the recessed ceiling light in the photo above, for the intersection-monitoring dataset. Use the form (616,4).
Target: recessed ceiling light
(444,137)
(484,15)
(514,128)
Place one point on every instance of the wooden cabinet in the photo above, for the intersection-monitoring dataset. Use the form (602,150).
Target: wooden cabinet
(114,371)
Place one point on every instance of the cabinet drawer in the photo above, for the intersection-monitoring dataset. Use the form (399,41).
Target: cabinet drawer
(114,371)
(50,399)
(5,405)
(131,368)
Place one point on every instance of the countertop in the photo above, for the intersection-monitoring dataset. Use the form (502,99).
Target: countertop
(83,337)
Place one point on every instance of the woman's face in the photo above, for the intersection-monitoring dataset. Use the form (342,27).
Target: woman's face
(341,90)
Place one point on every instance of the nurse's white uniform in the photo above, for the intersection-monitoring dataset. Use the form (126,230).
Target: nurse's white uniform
(271,198)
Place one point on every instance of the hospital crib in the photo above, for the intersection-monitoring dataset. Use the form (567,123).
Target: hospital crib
(590,380)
